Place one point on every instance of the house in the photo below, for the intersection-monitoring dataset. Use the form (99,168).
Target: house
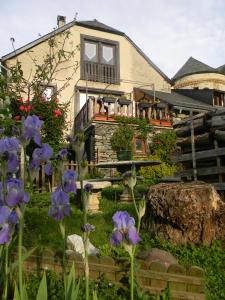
(114,77)
(201,82)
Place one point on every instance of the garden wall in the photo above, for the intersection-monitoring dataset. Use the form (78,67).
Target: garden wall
(184,284)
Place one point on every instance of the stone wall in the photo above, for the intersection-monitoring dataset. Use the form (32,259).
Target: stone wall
(102,135)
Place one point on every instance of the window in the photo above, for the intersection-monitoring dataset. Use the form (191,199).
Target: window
(139,147)
(218,99)
(99,60)
(47,91)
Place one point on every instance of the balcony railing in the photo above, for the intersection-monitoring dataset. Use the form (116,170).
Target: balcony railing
(100,72)
(95,110)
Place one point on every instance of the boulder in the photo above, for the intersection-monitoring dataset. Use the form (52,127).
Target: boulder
(157,255)
(191,212)
(75,245)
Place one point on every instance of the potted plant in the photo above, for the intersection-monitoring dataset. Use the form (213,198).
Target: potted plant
(121,142)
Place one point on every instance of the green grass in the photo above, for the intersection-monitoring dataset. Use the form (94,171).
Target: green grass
(42,230)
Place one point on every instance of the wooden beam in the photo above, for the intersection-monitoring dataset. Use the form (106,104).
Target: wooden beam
(202,154)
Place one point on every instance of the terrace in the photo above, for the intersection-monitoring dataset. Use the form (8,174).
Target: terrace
(108,108)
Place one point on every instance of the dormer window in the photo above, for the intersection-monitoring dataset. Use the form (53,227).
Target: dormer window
(99,60)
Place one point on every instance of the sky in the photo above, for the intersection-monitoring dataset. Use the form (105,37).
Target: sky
(168,31)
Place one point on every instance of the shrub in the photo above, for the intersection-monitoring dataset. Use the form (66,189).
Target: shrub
(153,174)
(163,144)
(122,138)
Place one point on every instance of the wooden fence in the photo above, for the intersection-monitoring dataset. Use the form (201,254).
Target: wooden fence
(45,183)
(184,284)
(202,143)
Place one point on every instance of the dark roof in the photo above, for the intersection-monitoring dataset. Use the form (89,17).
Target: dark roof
(93,24)
(179,100)
(221,69)
(193,66)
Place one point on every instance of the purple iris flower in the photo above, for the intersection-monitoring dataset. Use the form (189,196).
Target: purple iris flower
(124,229)
(88,228)
(5,234)
(16,194)
(88,187)
(69,185)
(31,129)
(1,195)
(12,163)
(48,168)
(62,153)
(4,214)
(13,218)
(60,206)
(9,145)
(43,153)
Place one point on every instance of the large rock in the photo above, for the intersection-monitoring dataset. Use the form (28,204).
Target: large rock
(75,245)
(185,212)
(157,255)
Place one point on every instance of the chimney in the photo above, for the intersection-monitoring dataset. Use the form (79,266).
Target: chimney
(61,21)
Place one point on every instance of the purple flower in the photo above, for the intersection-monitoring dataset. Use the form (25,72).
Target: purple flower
(43,153)
(5,235)
(12,163)
(60,206)
(16,194)
(1,195)
(8,145)
(88,187)
(69,185)
(34,165)
(124,229)
(8,221)
(31,129)
(48,169)
(88,228)
(116,238)
(13,218)
(62,153)
(4,214)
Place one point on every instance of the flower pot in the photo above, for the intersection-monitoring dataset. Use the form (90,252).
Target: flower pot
(166,123)
(155,122)
(124,155)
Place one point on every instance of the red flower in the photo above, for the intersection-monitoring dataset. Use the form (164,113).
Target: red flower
(57,100)
(27,108)
(57,112)
(21,107)
(17,118)
(20,99)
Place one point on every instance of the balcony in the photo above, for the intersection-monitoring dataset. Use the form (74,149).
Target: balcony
(100,72)
(106,109)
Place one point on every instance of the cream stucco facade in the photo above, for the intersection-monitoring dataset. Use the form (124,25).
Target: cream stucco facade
(135,69)
(201,81)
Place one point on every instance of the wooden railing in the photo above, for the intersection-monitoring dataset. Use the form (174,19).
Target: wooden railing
(100,72)
(45,183)
(97,110)
(154,277)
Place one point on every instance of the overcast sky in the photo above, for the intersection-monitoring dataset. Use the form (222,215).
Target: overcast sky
(168,31)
